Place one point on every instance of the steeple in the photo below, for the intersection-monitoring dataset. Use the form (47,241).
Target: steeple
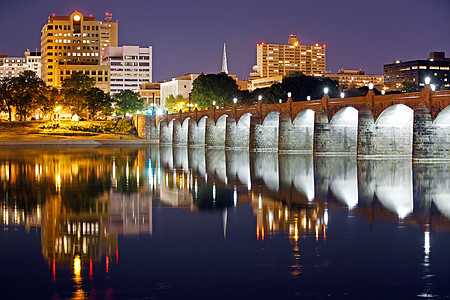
(224,60)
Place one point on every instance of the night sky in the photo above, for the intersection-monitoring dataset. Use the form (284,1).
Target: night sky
(188,35)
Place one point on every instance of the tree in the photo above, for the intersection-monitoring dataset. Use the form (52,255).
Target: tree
(128,102)
(48,102)
(97,101)
(409,87)
(220,88)
(27,89)
(75,90)
(175,103)
(6,100)
(301,86)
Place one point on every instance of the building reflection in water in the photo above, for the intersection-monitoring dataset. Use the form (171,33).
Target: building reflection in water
(83,199)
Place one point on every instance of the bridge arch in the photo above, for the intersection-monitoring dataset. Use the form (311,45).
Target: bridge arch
(339,136)
(264,135)
(215,131)
(390,135)
(196,132)
(237,134)
(431,139)
(180,132)
(166,132)
(296,136)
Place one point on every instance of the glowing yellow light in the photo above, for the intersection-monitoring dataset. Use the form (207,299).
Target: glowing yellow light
(77,18)
(58,108)
(77,265)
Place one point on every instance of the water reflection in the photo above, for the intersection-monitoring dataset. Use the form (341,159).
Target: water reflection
(83,200)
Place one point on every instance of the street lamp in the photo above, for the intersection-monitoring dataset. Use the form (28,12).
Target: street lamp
(427,80)
(342,94)
(289,95)
(383,92)
(259,98)
(308,98)
(214,103)
(281,101)
(325,90)
(433,87)
(371,86)
(234,100)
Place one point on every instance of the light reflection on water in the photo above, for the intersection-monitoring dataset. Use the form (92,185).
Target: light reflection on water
(85,202)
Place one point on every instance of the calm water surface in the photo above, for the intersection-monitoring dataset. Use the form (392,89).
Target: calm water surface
(159,223)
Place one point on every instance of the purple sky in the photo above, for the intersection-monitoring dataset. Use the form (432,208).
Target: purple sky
(188,35)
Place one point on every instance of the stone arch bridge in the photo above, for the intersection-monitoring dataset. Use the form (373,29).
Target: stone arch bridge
(413,125)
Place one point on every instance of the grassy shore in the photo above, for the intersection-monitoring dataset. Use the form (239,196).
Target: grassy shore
(60,130)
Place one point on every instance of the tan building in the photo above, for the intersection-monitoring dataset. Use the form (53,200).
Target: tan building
(354,78)
(74,44)
(284,60)
(263,82)
(151,93)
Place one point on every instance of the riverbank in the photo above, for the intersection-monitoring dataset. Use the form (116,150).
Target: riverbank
(44,133)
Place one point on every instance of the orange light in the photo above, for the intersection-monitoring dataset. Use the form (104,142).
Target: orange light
(257,232)
(317,45)
(262,233)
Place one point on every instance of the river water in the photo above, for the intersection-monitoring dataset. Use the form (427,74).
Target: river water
(167,223)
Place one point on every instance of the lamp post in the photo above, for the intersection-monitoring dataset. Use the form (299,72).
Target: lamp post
(235,100)
(383,92)
(342,95)
(325,91)
(427,80)
(259,98)
(370,85)
(308,98)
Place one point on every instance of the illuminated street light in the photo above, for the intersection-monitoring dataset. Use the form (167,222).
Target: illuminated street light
(159,112)
(308,98)
(234,100)
(325,91)
(433,87)
(342,94)
(427,80)
(214,103)
(281,101)
(259,98)
(289,95)
(383,92)
(371,86)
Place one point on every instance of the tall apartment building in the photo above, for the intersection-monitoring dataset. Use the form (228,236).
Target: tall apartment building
(274,59)
(74,44)
(14,66)
(437,67)
(131,66)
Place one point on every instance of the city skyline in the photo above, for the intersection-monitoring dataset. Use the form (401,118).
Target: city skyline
(187,38)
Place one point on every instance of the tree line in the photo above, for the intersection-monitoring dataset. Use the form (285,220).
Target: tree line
(28,93)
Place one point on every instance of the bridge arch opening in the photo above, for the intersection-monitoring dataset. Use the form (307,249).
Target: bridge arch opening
(271,119)
(244,120)
(347,116)
(222,121)
(397,115)
(304,118)
(443,118)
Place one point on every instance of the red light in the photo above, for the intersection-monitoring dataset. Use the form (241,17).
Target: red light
(117,20)
(263,43)
(117,256)
(107,263)
(53,15)
(91,269)
(76,10)
(324,45)
(90,15)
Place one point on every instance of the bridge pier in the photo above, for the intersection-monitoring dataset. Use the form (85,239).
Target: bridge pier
(337,137)
(389,136)
(153,130)
(196,133)
(431,140)
(166,132)
(237,133)
(180,132)
(296,136)
(264,133)
(215,132)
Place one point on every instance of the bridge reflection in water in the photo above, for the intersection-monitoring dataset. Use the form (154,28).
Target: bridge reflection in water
(84,200)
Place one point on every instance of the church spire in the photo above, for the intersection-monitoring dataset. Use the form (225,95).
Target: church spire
(224,60)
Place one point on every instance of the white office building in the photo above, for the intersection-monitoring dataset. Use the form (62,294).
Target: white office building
(178,86)
(130,66)
(14,66)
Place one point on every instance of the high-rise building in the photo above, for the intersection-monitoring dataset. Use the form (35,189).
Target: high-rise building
(14,66)
(131,66)
(275,59)
(437,67)
(74,44)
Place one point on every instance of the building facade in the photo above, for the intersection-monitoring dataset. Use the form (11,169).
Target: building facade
(74,44)
(276,59)
(14,66)
(178,86)
(437,67)
(151,93)
(354,78)
(130,66)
